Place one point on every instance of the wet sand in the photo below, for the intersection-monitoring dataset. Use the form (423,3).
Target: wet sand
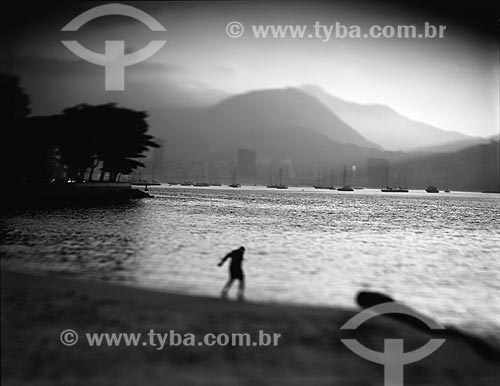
(36,307)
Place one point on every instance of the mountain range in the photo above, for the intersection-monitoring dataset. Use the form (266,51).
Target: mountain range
(316,133)
(239,121)
(277,124)
(389,129)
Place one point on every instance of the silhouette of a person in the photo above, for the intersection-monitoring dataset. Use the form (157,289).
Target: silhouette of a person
(235,272)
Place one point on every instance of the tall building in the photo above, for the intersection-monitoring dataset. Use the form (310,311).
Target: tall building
(247,166)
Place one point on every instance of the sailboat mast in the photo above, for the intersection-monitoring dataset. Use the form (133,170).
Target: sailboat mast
(153,170)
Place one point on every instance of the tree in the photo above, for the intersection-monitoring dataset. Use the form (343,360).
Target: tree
(76,142)
(14,108)
(37,159)
(105,134)
(14,102)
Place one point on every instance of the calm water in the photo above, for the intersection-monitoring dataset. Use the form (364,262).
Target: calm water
(439,253)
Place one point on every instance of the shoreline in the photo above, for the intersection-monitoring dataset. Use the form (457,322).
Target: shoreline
(483,332)
(313,189)
(60,194)
(37,306)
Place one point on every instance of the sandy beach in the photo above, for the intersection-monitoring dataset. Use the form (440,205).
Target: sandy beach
(37,307)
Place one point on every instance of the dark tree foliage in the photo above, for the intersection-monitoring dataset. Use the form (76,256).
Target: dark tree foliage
(72,144)
(38,158)
(111,135)
(14,108)
(14,102)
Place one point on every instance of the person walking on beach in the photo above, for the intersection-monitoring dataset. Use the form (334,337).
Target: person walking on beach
(235,272)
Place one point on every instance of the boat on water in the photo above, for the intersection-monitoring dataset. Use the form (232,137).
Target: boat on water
(432,189)
(446,189)
(401,189)
(234,183)
(390,189)
(172,183)
(387,189)
(145,182)
(270,185)
(318,186)
(186,183)
(345,187)
(278,186)
(201,184)
(325,187)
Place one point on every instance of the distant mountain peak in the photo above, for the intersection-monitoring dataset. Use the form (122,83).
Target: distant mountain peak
(383,125)
(286,107)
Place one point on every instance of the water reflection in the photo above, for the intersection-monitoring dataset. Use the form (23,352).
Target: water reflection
(439,253)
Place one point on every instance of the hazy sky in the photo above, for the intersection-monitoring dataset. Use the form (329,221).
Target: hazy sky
(451,83)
